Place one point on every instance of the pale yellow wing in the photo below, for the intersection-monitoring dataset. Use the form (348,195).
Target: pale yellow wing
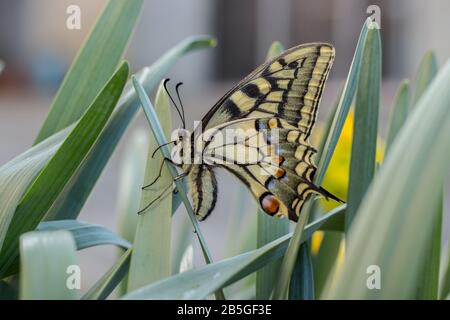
(271,157)
(281,94)
(288,87)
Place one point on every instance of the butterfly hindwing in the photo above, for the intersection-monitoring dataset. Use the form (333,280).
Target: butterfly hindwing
(272,157)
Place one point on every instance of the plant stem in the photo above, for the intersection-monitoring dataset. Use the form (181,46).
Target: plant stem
(161,139)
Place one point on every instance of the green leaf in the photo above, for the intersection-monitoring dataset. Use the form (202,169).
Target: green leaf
(395,223)
(329,122)
(187,259)
(85,235)
(444,285)
(182,229)
(109,281)
(344,105)
(365,128)
(325,260)
(44,190)
(70,202)
(176,201)
(302,281)
(150,260)
(269,228)
(132,171)
(398,113)
(336,223)
(47,259)
(241,234)
(427,71)
(242,237)
(8,290)
(305,276)
(201,282)
(281,288)
(428,278)
(17,174)
(94,65)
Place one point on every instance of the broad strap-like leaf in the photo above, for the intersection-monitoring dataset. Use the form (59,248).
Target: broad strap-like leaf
(49,268)
(45,189)
(200,283)
(86,235)
(93,66)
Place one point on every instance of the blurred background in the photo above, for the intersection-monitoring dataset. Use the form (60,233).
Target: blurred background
(37,49)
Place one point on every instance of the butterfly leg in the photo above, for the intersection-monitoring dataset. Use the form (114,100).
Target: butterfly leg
(180,176)
(159,173)
(161,195)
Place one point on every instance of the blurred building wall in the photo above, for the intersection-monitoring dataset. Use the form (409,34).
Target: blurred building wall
(163,24)
(245,29)
(417,27)
(29,27)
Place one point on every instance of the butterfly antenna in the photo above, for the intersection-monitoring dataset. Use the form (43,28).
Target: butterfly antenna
(165,144)
(177,90)
(173,102)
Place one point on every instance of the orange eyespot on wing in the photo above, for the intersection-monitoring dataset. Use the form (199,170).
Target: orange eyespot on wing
(269,203)
(279,173)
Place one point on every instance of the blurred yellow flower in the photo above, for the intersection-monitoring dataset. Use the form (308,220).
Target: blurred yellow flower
(316,242)
(337,175)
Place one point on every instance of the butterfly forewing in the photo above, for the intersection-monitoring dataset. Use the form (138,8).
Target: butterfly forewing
(288,87)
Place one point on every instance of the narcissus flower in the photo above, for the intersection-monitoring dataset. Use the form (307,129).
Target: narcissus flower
(337,176)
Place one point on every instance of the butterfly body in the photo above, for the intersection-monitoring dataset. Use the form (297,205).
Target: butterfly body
(259,132)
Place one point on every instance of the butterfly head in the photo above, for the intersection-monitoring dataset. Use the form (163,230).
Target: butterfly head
(181,150)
